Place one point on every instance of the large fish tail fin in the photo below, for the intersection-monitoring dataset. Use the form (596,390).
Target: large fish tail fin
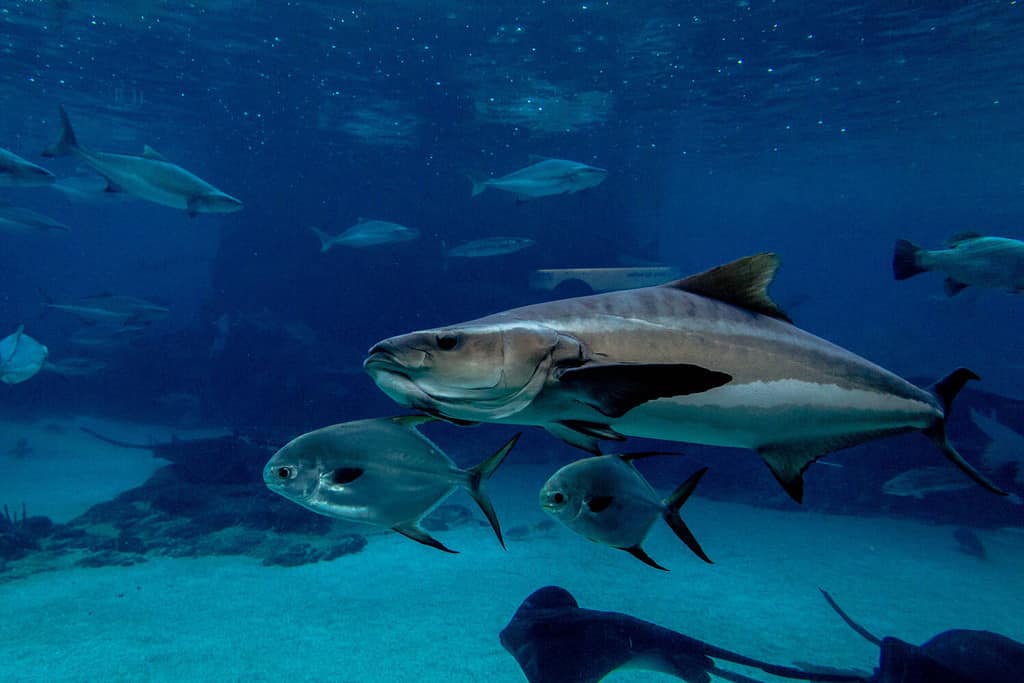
(325,239)
(479,475)
(671,514)
(904,260)
(66,143)
(945,390)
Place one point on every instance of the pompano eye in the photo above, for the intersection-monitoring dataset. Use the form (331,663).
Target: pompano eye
(285,472)
(447,342)
(558,498)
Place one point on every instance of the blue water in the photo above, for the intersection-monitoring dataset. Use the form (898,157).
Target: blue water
(820,131)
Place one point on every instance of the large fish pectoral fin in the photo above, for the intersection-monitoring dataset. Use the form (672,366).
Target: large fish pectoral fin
(614,389)
(582,434)
(420,536)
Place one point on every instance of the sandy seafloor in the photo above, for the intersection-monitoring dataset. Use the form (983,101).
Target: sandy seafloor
(398,611)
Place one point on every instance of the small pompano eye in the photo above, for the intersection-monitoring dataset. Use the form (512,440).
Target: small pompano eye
(558,498)
(285,472)
(447,342)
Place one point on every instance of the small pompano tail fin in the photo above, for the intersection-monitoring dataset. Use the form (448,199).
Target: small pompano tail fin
(904,260)
(480,474)
(945,390)
(66,143)
(325,239)
(671,514)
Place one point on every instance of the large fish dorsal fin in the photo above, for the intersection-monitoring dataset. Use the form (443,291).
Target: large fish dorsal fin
(963,237)
(150,153)
(743,283)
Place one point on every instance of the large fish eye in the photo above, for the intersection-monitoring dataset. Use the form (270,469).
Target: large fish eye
(285,472)
(447,342)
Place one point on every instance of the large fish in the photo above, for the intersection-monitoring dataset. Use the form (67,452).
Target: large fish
(367,233)
(969,260)
(607,500)
(381,472)
(545,178)
(21,357)
(17,219)
(112,309)
(149,177)
(18,172)
(707,359)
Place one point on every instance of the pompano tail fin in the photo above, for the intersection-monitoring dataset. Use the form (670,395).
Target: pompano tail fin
(904,260)
(480,474)
(66,143)
(325,239)
(945,390)
(671,514)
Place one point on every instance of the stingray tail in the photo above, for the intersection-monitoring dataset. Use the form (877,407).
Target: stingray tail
(861,631)
(945,390)
(67,142)
(479,475)
(671,514)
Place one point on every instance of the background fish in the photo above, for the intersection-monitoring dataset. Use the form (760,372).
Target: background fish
(970,259)
(545,178)
(367,233)
(18,172)
(606,500)
(490,246)
(17,219)
(381,472)
(111,309)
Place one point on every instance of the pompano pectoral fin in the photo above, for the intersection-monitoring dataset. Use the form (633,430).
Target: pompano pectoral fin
(582,434)
(616,388)
(420,536)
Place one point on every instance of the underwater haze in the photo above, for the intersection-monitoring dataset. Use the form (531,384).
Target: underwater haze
(201,304)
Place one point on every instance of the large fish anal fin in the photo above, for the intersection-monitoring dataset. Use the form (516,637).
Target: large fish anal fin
(640,554)
(743,283)
(420,536)
(614,389)
(582,434)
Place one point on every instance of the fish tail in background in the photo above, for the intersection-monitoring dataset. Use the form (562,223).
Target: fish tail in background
(66,143)
(45,302)
(325,239)
(904,260)
(478,186)
(479,475)
(671,514)
(945,390)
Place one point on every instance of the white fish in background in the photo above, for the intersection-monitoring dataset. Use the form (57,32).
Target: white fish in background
(1005,448)
(18,172)
(367,233)
(21,357)
(488,246)
(545,178)
(17,219)
(706,359)
(380,471)
(607,500)
(970,260)
(149,176)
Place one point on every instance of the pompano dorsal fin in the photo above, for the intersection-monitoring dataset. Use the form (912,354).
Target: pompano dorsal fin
(743,283)
(963,237)
(413,421)
(150,153)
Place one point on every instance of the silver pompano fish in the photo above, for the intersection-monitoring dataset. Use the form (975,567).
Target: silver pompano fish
(606,500)
(381,472)
(21,357)
(489,246)
(18,172)
(707,359)
(545,178)
(367,233)
(149,177)
(969,260)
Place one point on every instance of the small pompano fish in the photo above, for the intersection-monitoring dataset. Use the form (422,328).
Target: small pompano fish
(489,246)
(969,260)
(112,309)
(149,176)
(379,471)
(17,219)
(545,178)
(18,172)
(606,500)
(21,357)
(367,233)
